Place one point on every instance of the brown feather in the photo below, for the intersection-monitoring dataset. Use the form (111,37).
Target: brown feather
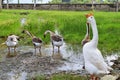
(56,38)
(37,40)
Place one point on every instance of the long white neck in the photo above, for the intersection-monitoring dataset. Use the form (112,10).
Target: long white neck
(95,34)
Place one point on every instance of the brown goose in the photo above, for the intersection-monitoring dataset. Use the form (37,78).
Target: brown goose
(56,40)
(87,36)
(11,42)
(37,42)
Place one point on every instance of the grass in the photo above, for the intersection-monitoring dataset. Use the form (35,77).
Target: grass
(71,24)
(60,76)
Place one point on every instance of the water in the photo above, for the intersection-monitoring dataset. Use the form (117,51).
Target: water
(17,76)
(70,55)
(110,58)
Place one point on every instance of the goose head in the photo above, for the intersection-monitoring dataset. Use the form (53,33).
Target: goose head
(90,18)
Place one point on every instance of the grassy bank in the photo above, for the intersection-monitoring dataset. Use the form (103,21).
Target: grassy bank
(60,76)
(71,25)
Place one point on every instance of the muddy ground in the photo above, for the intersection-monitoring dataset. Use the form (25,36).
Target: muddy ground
(26,65)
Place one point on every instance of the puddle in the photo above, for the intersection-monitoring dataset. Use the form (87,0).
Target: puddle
(70,56)
(110,58)
(70,67)
(17,76)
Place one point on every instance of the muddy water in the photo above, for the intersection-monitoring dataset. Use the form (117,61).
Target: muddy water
(70,55)
(68,59)
(24,65)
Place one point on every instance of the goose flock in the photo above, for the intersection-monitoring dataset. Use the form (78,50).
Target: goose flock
(94,62)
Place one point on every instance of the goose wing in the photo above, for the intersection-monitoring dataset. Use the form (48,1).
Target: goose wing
(97,61)
(56,38)
(37,40)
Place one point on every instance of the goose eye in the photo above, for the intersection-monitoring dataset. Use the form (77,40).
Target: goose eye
(91,17)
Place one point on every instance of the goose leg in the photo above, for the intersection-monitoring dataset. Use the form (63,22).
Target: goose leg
(35,51)
(53,48)
(15,51)
(97,78)
(40,50)
(58,49)
(92,77)
(8,55)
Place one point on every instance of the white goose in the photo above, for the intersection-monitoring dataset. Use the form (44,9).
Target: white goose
(37,42)
(56,40)
(11,42)
(94,61)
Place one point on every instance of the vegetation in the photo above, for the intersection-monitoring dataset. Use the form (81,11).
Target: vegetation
(71,25)
(61,76)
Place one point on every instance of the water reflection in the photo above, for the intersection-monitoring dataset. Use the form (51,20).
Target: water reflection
(17,76)
(110,58)
(72,56)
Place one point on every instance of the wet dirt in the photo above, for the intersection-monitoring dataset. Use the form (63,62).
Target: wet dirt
(26,64)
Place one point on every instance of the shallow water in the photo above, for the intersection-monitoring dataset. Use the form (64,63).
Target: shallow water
(17,76)
(70,55)
(110,58)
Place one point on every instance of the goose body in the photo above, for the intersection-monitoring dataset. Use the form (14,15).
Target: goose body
(56,40)
(11,42)
(94,61)
(37,42)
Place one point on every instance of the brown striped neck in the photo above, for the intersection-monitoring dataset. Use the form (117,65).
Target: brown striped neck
(88,29)
(48,31)
(87,36)
(28,33)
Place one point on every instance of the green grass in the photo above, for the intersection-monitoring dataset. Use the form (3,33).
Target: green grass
(71,24)
(60,76)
